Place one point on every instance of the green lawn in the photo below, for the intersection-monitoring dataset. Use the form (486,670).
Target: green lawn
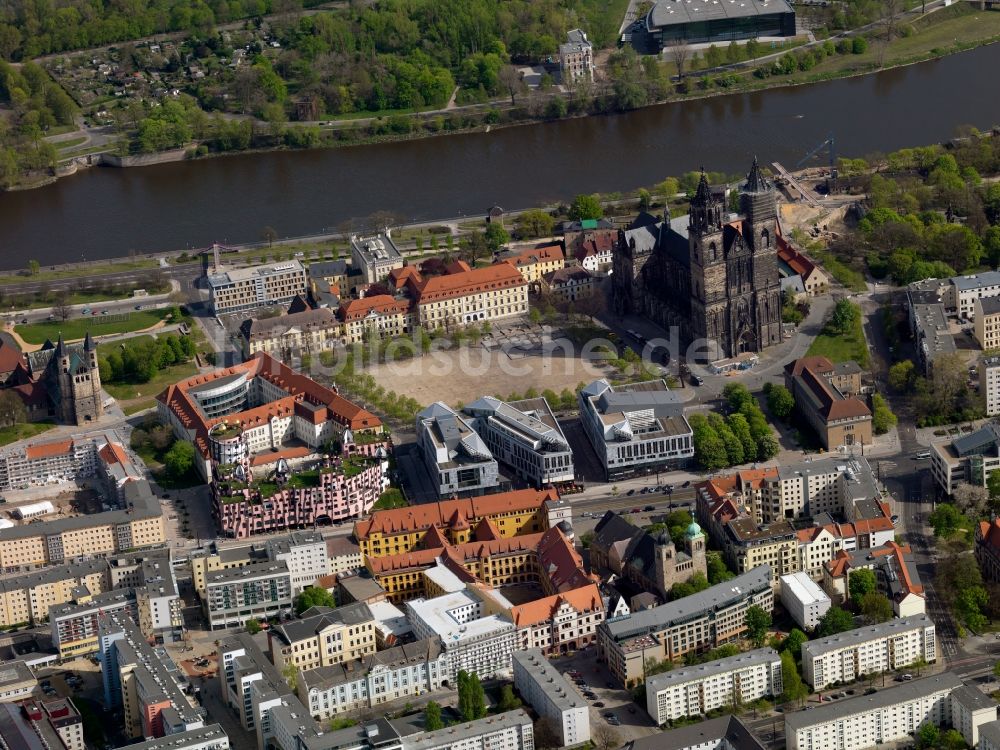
(849,348)
(68,144)
(60,272)
(23,431)
(166,376)
(97,325)
(391,498)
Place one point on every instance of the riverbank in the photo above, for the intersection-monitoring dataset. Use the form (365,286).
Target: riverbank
(937,35)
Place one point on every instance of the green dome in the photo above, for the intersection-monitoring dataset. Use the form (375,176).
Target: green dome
(693,530)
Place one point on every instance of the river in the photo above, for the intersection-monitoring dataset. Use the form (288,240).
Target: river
(104,213)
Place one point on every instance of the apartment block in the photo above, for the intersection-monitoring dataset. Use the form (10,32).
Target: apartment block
(35,725)
(249,288)
(890,715)
(804,600)
(635,427)
(512,730)
(547,691)
(723,733)
(525,436)
(962,292)
(259,590)
(701,621)
(559,623)
(472,640)
(406,671)
(987,322)
(211,737)
(144,681)
(306,332)
(735,680)
(75,625)
(304,552)
(26,598)
(456,458)
(870,649)
(989,384)
(968,459)
(331,636)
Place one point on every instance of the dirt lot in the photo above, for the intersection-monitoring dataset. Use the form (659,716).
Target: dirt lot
(467,374)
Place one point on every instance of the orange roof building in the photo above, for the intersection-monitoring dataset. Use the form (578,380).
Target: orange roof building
(895,572)
(257,406)
(837,417)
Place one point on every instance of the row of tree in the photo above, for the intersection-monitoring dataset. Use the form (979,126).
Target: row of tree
(744,435)
(139,360)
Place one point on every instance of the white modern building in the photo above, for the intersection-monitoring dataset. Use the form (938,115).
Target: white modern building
(889,715)
(968,459)
(723,733)
(305,554)
(635,427)
(871,649)
(404,671)
(961,292)
(250,288)
(989,736)
(211,737)
(454,455)
(259,590)
(375,256)
(734,680)
(525,436)
(547,691)
(803,599)
(989,384)
(471,640)
(512,730)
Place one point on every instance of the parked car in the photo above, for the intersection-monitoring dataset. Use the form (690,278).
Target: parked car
(636,510)
(599,704)
(630,493)
(649,508)
(687,483)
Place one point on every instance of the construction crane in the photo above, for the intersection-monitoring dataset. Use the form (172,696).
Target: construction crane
(833,155)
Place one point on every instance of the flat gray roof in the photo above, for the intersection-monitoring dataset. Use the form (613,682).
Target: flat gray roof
(676,12)
(556,686)
(973,698)
(699,735)
(719,666)
(902,693)
(976,281)
(863,635)
(458,732)
(716,597)
(254,570)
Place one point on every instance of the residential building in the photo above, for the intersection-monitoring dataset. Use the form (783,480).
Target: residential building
(242,289)
(405,671)
(472,640)
(592,247)
(826,395)
(138,526)
(26,598)
(748,545)
(401,530)
(75,624)
(890,715)
(895,572)
(241,664)
(989,736)
(535,260)
(867,650)
(259,590)
(791,262)
(988,549)
(65,721)
(824,486)
(576,58)
(559,623)
(968,459)
(305,553)
(701,621)
(971,709)
(331,488)
(547,691)
(257,407)
(93,455)
(733,681)
(375,256)
(651,563)
(343,555)
(455,456)
(306,332)
(378,316)
(464,295)
(986,325)
(359,587)
(723,733)
(328,281)
(929,322)
(635,427)
(570,284)
(17,681)
(157,599)
(210,737)
(989,384)
(330,636)
(391,626)
(962,292)
(525,436)
(512,730)
(34,725)
(144,682)
(804,600)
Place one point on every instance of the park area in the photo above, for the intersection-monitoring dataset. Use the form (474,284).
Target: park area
(842,338)
(74,329)
(133,391)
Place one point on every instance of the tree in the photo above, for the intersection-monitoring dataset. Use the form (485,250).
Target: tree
(33,267)
(313,596)
(535,223)
(928,736)
(971,499)
(253,626)
(179,460)
(679,53)
(845,313)
(996,670)
(836,620)
(901,376)
(860,582)
(945,519)
(508,701)
(61,307)
(882,417)
(269,235)
(605,737)
(780,401)
(471,698)
(758,620)
(586,207)
(12,409)
(875,607)
(644,199)
(496,236)
(793,642)
(476,246)
(792,687)
(717,570)
(291,674)
(510,78)
(432,717)
(697,582)
(736,395)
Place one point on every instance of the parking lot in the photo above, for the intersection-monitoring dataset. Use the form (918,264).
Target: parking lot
(610,705)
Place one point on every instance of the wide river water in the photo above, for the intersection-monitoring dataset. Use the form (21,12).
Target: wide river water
(104,212)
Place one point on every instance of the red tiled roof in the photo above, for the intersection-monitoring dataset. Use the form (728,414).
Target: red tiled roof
(583,599)
(795,260)
(10,357)
(540,254)
(591,242)
(45,450)
(271,457)
(495,277)
(113,453)
(560,562)
(380,303)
